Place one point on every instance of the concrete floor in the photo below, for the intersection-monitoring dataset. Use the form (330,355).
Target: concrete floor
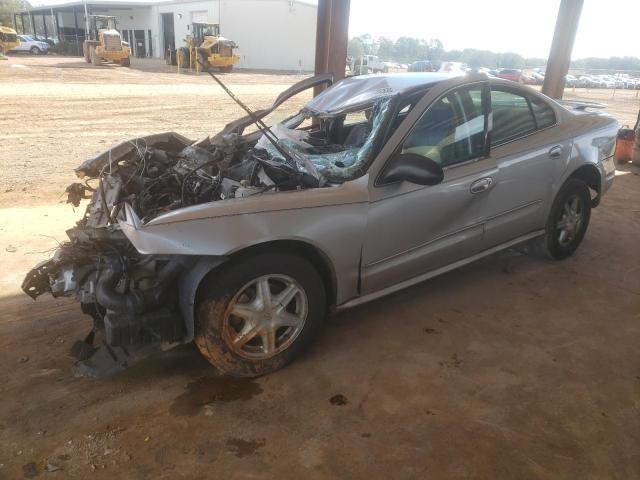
(512,367)
(509,368)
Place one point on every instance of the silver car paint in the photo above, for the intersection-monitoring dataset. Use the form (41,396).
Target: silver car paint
(378,239)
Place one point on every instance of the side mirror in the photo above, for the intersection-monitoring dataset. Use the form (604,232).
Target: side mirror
(414,168)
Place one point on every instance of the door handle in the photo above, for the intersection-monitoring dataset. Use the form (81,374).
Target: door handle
(481,185)
(555,152)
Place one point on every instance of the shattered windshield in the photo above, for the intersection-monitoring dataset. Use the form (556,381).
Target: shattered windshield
(336,161)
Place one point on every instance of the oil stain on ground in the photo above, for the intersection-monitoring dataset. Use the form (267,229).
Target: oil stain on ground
(208,390)
(339,399)
(241,448)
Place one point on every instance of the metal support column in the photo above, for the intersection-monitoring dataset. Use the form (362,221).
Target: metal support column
(561,47)
(332,35)
(44,23)
(33,23)
(56,25)
(75,19)
(86,20)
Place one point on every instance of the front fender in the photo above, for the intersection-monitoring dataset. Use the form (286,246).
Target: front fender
(332,220)
(188,288)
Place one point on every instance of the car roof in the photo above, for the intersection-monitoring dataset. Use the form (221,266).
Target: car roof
(358,92)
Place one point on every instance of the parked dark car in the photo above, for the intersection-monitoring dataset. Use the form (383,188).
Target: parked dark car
(421,66)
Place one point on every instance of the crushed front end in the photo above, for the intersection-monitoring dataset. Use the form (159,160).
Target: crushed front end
(136,299)
(133,298)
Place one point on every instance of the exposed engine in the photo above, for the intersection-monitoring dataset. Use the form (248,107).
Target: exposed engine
(165,172)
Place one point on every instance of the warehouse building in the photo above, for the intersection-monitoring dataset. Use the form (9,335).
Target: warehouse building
(271,34)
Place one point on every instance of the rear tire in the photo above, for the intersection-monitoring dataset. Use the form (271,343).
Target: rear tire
(34,51)
(170,57)
(95,60)
(244,335)
(567,223)
(126,62)
(204,60)
(184,57)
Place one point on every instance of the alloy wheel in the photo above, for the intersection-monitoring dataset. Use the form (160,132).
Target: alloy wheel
(570,221)
(265,316)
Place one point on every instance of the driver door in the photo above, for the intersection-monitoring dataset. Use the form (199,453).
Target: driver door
(414,229)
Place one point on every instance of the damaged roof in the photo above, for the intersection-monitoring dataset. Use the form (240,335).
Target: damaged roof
(355,93)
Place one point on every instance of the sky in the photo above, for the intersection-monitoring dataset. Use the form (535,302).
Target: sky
(607,27)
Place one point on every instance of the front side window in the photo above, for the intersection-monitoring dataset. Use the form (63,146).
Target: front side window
(452,130)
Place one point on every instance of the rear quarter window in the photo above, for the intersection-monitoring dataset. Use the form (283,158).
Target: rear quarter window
(545,116)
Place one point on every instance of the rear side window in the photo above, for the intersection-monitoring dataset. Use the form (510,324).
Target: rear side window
(545,116)
(512,117)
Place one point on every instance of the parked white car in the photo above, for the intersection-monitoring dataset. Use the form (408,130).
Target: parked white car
(456,68)
(31,45)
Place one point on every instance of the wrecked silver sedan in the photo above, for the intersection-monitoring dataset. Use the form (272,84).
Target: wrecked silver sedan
(242,242)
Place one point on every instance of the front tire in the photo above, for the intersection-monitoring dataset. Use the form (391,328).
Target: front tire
(257,314)
(567,223)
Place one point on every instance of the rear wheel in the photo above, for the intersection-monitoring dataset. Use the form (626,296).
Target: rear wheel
(126,62)
(95,60)
(255,316)
(567,222)
(170,57)
(203,59)
(184,57)
(226,69)
(34,51)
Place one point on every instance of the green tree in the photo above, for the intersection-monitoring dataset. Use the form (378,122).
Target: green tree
(8,8)
(386,48)
(355,48)
(436,50)
(407,49)
(510,60)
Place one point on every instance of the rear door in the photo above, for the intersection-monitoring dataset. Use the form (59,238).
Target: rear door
(529,157)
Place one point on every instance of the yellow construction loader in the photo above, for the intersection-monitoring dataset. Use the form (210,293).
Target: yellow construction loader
(105,42)
(8,40)
(205,48)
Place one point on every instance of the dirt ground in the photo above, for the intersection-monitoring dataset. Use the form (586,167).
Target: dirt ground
(508,368)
